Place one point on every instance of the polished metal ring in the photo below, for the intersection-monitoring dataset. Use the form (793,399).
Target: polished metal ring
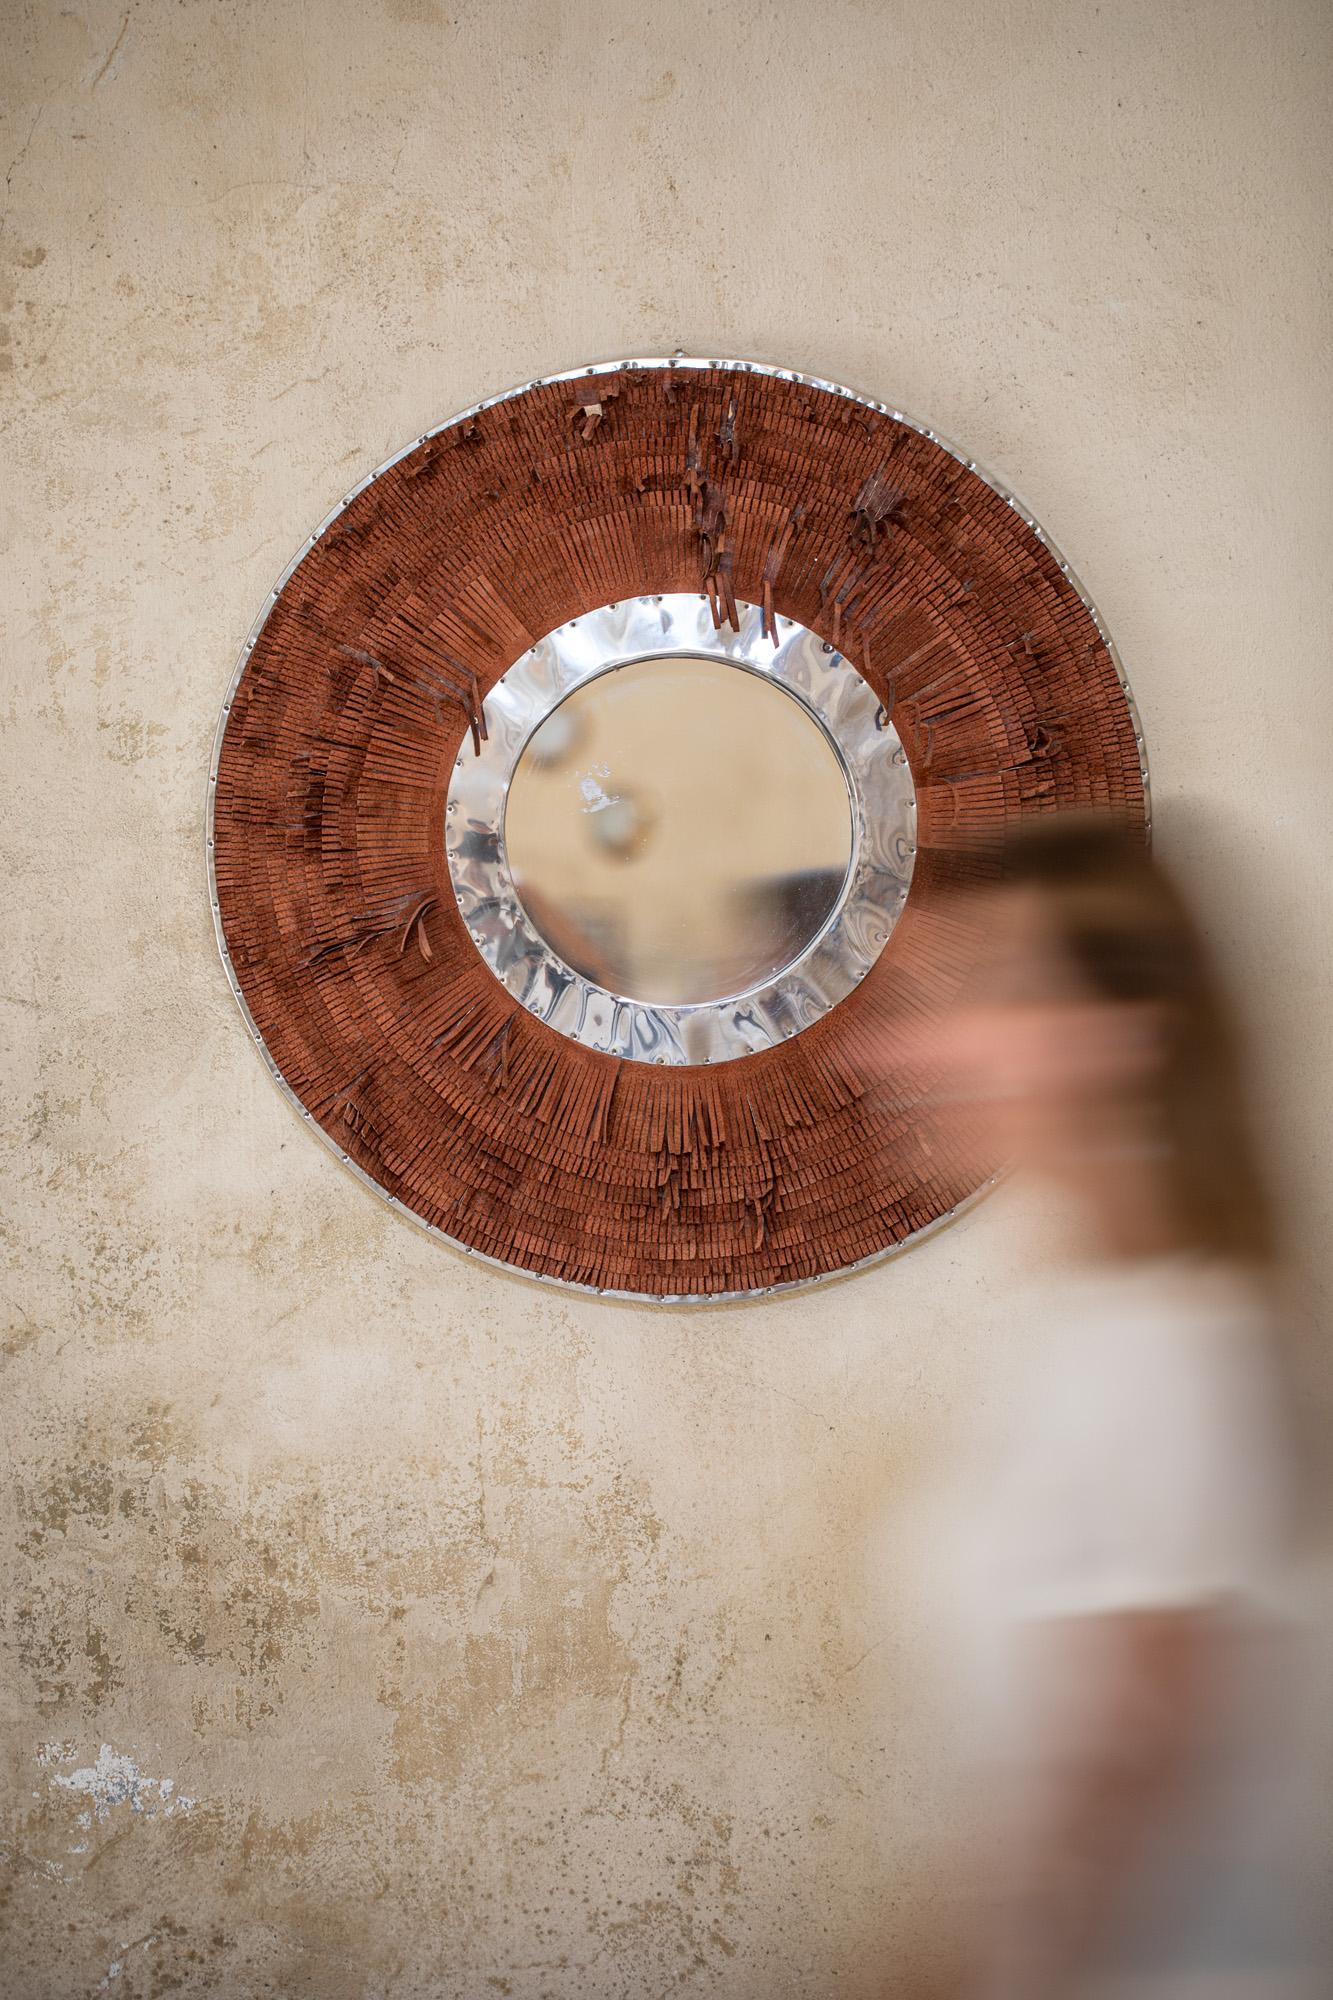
(856,930)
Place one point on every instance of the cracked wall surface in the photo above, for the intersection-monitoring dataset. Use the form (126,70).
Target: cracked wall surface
(378,1625)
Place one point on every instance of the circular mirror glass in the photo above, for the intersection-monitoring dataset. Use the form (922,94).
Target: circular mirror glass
(679,829)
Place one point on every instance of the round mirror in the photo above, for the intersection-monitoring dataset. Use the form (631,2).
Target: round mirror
(679,829)
(680,842)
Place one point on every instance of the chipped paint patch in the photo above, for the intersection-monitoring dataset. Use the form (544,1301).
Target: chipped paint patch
(115,1780)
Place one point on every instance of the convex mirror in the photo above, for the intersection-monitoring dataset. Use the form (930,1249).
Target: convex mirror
(679,829)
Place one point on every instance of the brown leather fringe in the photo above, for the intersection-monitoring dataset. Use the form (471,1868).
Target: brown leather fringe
(367,681)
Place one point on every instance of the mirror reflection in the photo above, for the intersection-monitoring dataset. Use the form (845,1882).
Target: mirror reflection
(679,829)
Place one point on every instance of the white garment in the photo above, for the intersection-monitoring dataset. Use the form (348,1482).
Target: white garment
(1139,1465)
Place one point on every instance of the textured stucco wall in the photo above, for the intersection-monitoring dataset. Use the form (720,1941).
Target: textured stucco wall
(376,1625)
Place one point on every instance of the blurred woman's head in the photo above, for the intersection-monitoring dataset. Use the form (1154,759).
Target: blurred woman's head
(1100,1046)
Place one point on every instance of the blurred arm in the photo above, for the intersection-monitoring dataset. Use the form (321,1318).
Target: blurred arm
(1125,1689)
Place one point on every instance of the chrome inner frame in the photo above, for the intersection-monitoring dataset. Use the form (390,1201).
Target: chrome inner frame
(837,958)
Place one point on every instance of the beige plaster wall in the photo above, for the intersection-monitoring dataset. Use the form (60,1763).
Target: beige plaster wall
(377,1625)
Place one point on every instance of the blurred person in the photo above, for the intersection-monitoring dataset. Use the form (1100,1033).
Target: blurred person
(1130,1514)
